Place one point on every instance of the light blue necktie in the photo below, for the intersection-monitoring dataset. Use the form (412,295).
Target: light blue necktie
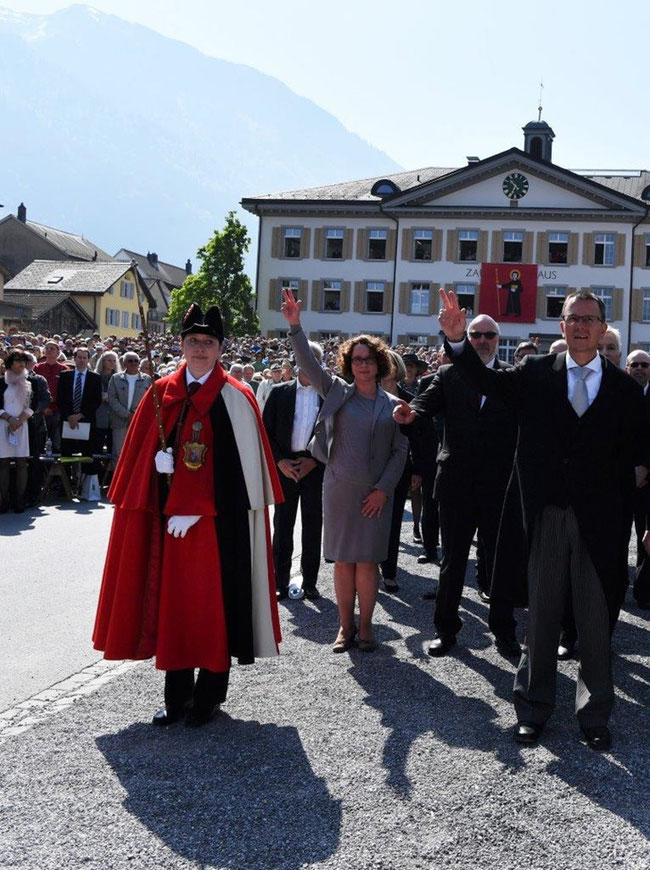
(580,400)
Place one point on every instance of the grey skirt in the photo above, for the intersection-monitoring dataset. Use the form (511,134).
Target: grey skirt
(347,535)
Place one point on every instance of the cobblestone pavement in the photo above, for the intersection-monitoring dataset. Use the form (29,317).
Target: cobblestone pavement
(383,760)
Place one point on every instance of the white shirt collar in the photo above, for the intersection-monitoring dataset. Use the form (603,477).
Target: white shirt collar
(596,364)
(189,377)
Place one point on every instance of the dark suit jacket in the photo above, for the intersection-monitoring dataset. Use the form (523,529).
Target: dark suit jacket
(91,398)
(565,460)
(478,447)
(278,415)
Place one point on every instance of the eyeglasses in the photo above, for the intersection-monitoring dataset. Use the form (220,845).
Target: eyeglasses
(363,360)
(639,365)
(489,334)
(587,319)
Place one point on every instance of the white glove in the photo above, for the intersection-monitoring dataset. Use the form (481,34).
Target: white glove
(178,526)
(164,460)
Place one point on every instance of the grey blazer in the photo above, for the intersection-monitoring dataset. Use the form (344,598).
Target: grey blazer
(118,396)
(335,392)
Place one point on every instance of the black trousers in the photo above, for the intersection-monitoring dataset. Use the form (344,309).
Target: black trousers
(430,524)
(459,521)
(209,689)
(308,492)
(389,565)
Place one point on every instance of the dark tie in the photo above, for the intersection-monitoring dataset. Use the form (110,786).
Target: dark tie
(192,388)
(76,396)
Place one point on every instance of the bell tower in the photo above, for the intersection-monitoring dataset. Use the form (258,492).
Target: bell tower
(538,140)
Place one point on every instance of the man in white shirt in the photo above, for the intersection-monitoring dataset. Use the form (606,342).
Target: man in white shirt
(289,416)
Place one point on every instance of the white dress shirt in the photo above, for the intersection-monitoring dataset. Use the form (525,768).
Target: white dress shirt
(130,381)
(304,417)
(189,377)
(592,380)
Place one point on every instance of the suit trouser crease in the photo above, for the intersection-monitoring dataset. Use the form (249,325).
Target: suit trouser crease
(309,493)
(560,564)
(459,521)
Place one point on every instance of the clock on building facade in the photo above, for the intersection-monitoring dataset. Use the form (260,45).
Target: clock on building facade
(515,185)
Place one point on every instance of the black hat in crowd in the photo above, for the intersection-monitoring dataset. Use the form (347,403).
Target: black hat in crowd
(414,360)
(195,322)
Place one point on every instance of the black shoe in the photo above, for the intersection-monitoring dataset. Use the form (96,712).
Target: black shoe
(168,715)
(508,646)
(311,594)
(430,596)
(484,596)
(441,644)
(527,733)
(281,594)
(597,738)
(424,559)
(417,534)
(391,587)
(565,651)
(197,718)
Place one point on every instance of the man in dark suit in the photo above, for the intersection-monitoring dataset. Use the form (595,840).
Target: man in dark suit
(289,416)
(582,438)
(474,467)
(638,366)
(430,439)
(79,396)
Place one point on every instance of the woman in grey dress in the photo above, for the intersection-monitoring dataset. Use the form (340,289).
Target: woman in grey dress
(364,452)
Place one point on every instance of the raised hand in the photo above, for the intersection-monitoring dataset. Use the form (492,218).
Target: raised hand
(291,307)
(452,319)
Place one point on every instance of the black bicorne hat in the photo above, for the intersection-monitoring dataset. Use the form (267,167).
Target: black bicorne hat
(209,323)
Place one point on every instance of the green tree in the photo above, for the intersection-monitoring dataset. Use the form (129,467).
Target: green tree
(221,281)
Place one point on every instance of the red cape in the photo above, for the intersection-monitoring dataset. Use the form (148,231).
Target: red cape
(161,596)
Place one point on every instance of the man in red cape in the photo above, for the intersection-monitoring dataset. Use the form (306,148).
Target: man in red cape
(189,570)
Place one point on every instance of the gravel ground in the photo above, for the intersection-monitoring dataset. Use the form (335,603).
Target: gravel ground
(384,760)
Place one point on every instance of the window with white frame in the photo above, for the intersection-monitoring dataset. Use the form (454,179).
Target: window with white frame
(291,242)
(419,340)
(375,297)
(125,320)
(468,246)
(332,295)
(607,295)
(127,289)
(647,250)
(555,297)
(136,322)
(513,247)
(643,345)
(334,243)
(377,242)
(112,317)
(558,248)
(466,294)
(323,335)
(604,249)
(645,310)
(419,298)
(507,347)
(422,244)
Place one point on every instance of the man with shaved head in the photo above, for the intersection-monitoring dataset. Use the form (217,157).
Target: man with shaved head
(474,465)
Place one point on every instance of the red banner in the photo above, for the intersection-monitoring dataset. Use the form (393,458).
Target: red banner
(509,292)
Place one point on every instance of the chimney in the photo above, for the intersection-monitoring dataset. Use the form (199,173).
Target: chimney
(188,267)
(22,213)
(153,258)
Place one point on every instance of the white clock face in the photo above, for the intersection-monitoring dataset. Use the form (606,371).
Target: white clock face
(515,185)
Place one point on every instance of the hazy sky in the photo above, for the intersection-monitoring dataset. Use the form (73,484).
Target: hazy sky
(432,82)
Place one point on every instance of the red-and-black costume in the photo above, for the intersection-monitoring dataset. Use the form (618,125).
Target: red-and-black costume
(195,601)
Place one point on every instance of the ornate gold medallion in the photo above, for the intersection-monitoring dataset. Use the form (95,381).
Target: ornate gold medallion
(193,451)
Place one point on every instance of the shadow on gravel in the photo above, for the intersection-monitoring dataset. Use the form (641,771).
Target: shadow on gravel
(227,794)
(417,704)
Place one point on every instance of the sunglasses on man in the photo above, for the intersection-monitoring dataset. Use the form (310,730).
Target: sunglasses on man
(489,334)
